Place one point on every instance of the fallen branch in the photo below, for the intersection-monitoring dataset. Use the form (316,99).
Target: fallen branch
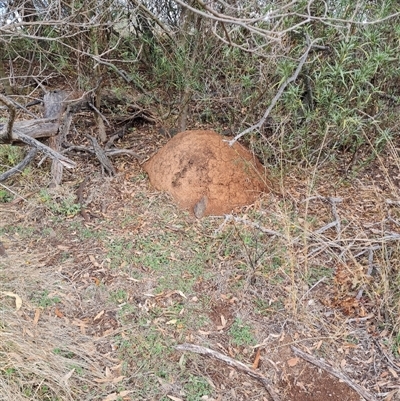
(231,362)
(20,166)
(323,365)
(40,128)
(106,164)
(46,150)
(117,152)
(27,130)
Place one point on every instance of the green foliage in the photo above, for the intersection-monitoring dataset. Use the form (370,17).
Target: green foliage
(65,354)
(118,296)
(351,84)
(9,156)
(241,334)
(40,392)
(196,388)
(5,196)
(9,372)
(44,300)
(64,206)
(148,347)
(316,273)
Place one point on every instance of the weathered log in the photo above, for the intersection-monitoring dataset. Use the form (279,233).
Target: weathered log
(26,131)
(53,107)
(41,128)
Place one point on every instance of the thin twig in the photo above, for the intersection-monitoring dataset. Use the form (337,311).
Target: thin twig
(98,112)
(265,230)
(231,362)
(388,358)
(117,152)
(278,95)
(310,289)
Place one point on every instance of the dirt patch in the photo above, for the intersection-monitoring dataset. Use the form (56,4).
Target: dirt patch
(205,175)
(315,385)
(301,381)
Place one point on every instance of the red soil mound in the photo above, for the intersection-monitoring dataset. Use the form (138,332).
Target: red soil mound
(205,175)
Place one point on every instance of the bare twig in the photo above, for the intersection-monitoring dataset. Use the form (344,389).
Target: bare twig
(236,219)
(98,113)
(310,289)
(46,150)
(336,223)
(231,362)
(387,357)
(117,152)
(278,95)
(323,365)
(79,199)
(108,152)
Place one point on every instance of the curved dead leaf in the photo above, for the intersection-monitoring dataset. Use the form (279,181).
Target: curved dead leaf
(18,300)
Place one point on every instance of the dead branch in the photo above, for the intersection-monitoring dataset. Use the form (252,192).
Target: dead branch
(40,128)
(79,199)
(6,131)
(101,156)
(46,150)
(108,152)
(11,132)
(323,365)
(231,362)
(54,106)
(20,166)
(278,95)
(336,223)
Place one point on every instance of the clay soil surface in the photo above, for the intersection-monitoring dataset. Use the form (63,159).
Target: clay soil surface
(199,168)
(93,304)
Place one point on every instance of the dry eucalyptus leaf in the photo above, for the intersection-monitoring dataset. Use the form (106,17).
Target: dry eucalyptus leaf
(18,300)
(171,397)
(293,362)
(111,397)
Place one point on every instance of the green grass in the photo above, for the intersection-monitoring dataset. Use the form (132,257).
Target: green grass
(65,354)
(196,388)
(118,296)
(5,196)
(9,156)
(23,231)
(66,206)
(241,334)
(43,299)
